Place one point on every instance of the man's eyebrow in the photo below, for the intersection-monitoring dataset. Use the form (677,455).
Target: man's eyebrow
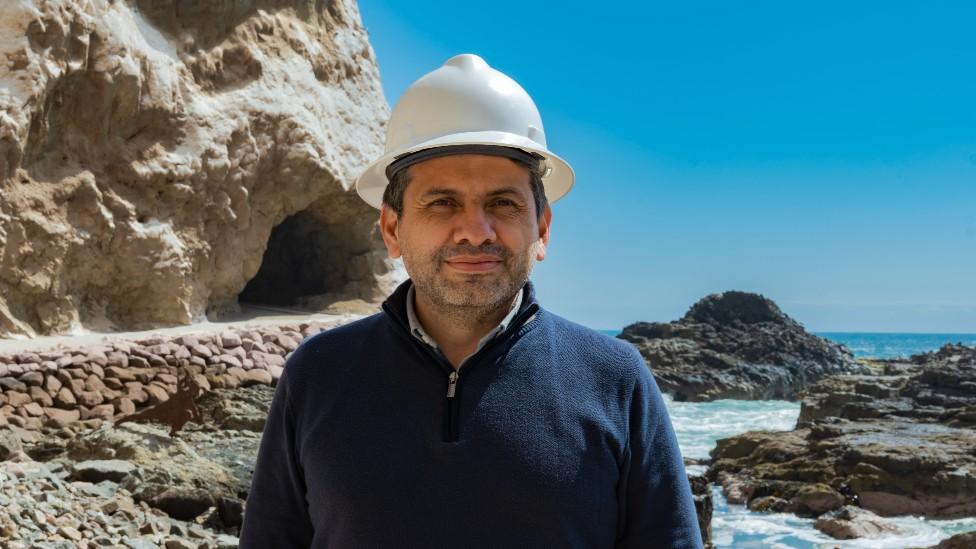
(438,191)
(506,190)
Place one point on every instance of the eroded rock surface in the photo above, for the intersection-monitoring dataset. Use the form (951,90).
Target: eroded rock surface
(160,158)
(736,345)
(899,442)
(94,485)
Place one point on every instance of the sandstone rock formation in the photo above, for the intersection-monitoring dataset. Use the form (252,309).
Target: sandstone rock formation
(899,442)
(736,345)
(160,160)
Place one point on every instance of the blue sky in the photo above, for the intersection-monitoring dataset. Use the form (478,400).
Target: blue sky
(822,154)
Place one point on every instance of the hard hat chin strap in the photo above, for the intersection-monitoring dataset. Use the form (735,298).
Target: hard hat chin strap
(410,159)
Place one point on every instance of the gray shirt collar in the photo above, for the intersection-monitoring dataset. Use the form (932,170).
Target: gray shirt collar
(418,331)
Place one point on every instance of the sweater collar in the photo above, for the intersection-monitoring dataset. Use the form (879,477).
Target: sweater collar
(417,329)
(396,306)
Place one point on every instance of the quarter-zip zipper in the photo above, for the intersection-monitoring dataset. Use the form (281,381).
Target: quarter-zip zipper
(453,405)
(452,383)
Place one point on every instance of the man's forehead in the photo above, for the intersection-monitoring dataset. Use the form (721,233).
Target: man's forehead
(464,174)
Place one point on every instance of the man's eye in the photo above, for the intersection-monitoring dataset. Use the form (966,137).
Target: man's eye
(504,202)
(441,202)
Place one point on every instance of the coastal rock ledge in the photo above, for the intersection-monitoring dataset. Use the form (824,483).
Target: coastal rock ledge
(737,345)
(900,441)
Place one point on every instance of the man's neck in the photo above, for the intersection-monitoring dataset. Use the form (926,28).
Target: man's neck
(457,331)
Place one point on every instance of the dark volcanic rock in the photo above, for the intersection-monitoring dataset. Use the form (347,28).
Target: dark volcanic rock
(896,443)
(958,541)
(937,387)
(737,345)
(701,489)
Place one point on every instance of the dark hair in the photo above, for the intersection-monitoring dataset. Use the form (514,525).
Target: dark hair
(393,195)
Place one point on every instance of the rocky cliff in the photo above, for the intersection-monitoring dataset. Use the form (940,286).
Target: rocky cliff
(164,160)
(736,345)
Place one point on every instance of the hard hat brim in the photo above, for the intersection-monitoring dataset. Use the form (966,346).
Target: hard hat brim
(557,180)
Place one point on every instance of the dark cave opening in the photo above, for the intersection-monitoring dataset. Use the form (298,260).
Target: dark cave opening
(304,257)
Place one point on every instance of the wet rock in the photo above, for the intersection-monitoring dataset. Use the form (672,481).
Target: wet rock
(899,442)
(701,491)
(815,499)
(959,541)
(851,522)
(769,504)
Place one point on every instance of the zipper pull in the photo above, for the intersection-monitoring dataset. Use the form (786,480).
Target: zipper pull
(452,383)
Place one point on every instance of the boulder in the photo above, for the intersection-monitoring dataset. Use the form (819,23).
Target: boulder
(97,470)
(736,345)
(849,522)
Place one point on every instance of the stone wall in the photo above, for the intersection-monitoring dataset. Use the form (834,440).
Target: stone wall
(103,382)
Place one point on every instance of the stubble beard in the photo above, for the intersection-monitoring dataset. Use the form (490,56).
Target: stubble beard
(471,299)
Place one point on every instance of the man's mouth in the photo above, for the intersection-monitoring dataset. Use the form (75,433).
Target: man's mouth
(474,264)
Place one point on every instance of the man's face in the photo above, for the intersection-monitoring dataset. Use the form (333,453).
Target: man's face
(469,232)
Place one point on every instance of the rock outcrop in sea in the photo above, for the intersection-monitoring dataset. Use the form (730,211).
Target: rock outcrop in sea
(898,441)
(164,160)
(737,345)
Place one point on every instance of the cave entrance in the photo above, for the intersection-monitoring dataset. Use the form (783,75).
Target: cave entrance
(326,258)
(304,258)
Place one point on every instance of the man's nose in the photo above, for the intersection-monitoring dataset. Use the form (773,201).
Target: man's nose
(475,226)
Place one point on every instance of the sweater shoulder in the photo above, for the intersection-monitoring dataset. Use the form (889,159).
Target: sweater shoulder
(594,349)
(322,353)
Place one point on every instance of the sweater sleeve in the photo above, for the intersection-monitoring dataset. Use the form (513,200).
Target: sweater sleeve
(656,505)
(276,511)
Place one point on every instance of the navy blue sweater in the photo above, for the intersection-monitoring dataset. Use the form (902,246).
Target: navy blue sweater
(556,436)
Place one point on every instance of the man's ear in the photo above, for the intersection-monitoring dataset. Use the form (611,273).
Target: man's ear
(390,229)
(545,221)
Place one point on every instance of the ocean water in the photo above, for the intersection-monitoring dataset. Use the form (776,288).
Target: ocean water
(885,344)
(891,345)
(698,425)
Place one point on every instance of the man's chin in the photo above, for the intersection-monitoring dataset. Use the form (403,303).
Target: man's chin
(475,295)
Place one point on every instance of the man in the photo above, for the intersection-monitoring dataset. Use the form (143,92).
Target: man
(464,414)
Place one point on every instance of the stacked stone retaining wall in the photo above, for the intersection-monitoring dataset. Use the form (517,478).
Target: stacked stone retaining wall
(94,383)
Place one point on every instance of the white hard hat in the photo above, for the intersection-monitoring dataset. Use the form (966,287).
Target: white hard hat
(464,102)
